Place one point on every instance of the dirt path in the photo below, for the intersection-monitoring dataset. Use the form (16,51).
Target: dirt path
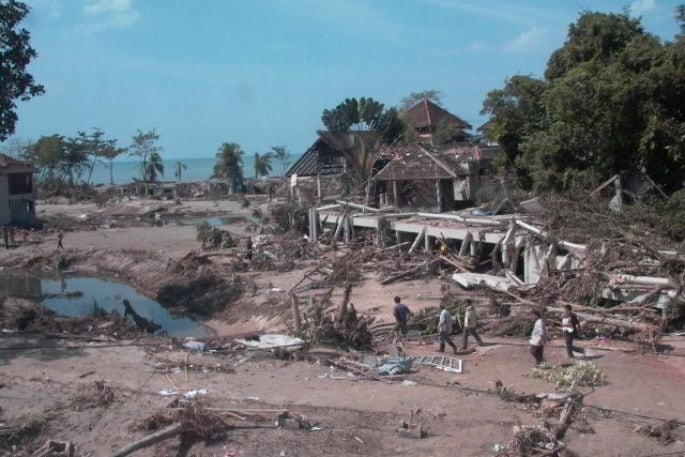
(357,417)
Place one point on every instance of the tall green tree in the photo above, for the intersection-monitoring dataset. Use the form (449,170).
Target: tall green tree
(47,154)
(611,102)
(229,165)
(144,146)
(178,170)
(281,154)
(97,147)
(15,55)
(262,164)
(110,153)
(364,114)
(413,98)
(518,112)
(154,167)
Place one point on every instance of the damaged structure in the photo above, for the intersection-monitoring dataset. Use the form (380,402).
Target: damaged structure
(17,197)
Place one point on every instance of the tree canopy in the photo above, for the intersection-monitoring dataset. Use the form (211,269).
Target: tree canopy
(365,114)
(144,146)
(15,55)
(229,164)
(611,102)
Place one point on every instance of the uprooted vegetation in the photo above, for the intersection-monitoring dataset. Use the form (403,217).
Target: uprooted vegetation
(204,295)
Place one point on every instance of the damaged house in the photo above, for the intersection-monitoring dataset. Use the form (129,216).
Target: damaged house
(421,178)
(17,197)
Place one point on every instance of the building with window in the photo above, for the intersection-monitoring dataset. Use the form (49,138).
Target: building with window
(17,198)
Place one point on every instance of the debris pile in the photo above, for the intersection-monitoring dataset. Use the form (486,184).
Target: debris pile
(580,374)
(213,237)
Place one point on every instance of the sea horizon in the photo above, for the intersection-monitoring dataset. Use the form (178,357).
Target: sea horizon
(198,169)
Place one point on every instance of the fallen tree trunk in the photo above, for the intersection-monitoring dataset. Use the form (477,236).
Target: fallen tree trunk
(637,326)
(149,440)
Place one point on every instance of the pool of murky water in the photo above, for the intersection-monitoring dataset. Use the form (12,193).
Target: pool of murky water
(76,296)
(215,221)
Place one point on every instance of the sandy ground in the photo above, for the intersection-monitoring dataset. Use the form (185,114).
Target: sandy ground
(41,378)
(357,417)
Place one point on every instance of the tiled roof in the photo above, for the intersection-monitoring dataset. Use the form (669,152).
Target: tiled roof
(427,114)
(417,162)
(7,162)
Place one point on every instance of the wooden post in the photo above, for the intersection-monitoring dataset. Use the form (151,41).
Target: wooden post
(417,240)
(394,193)
(398,237)
(318,186)
(296,313)
(338,226)
(438,192)
(426,242)
(346,229)
(465,244)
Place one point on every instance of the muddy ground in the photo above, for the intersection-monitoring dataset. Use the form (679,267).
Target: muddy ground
(97,393)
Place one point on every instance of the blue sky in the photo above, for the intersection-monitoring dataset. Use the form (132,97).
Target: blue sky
(260,72)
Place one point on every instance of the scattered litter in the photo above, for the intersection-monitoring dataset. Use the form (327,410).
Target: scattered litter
(441,362)
(167,392)
(194,393)
(395,366)
(408,382)
(253,398)
(272,341)
(195,345)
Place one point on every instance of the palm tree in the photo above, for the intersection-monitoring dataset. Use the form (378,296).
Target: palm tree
(362,157)
(229,164)
(262,164)
(152,166)
(178,169)
(281,154)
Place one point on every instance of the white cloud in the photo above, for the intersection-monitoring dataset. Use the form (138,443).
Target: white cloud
(526,41)
(108,14)
(640,7)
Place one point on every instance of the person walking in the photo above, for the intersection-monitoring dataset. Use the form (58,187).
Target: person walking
(470,325)
(445,326)
(570,326)
(538,338)
(60,237)
(401,314)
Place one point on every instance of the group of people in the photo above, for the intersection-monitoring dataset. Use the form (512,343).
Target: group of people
(445,325)
(9,233)
(570,326)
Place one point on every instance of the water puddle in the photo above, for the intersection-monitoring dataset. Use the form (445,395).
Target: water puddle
(76,296)
(215,221)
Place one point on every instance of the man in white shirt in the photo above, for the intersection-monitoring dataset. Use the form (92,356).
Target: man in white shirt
(470,324)
(538,338)
(445,329)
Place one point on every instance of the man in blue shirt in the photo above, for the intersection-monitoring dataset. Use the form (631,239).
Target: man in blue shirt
(401,313)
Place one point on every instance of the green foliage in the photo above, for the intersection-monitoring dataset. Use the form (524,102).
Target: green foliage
(178,170)
(580,374)
(212,237)
(15,55)
(673,216)
(413,98)
(611,103)
(445,132)
(281,154)
(229,164)
(262,164)
(97,148)
(144,147)
(365,114)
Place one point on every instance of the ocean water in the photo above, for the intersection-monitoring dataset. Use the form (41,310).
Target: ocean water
(199,169)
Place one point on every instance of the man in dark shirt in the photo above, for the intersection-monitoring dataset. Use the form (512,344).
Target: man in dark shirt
(401,313)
